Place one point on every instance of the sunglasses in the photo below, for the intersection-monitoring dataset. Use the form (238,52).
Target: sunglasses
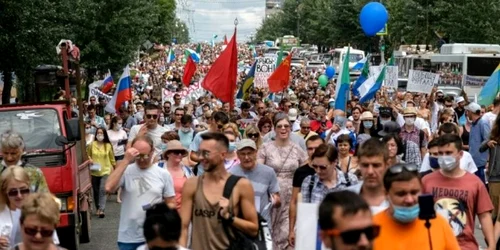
(177,152)
(143,156)
(306,127)
(352,237)
(152,116)
(253,135)
(322,167)
(45,233)
(15,192)
(283,126)
(396,169)
(178,114)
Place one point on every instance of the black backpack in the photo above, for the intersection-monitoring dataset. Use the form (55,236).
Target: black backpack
(239,240)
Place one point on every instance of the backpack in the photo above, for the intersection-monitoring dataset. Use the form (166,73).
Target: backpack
(311,186)
(238,240)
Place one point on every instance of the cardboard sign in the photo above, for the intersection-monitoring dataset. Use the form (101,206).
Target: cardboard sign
(307,234)
(194,91)
(375,70)
(263,69)
(421,81)
(391,77)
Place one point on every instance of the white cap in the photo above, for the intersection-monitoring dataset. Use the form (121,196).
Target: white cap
(292,114)
(460,99)
(473,107)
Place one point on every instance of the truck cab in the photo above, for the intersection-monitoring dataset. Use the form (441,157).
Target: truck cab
(53,143)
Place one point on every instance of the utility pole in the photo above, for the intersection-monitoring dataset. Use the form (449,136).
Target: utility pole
(382,47)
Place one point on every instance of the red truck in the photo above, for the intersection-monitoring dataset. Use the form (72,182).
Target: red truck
(52,142)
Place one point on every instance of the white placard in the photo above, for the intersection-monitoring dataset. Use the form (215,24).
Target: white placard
(94,91)
(307,235)
(421,81)
(263,69)
(391,77)
(375,70)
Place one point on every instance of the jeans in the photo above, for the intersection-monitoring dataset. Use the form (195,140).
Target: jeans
(98,186)
(129,246)
(481,175)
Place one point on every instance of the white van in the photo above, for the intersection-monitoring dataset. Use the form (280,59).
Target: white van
(338,55)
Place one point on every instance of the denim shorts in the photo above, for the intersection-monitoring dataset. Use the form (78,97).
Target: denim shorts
(129,246)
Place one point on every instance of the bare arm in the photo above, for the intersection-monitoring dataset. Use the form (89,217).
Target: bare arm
(276,199)
(487,228)
(249,223)
(114,178)
(293,215)
(186,208)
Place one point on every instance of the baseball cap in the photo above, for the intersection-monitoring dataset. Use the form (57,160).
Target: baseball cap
(292,114)
(246,143)
(460,99)
(473,107)
(389,128)
(385,111)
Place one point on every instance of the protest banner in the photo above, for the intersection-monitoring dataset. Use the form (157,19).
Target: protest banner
(375,70)
(94,91)
(194,91)
(263,69)
(421,81)
(477,81)
(391,77)
(307,234)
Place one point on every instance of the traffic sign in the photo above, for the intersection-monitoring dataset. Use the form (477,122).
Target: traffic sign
(383,32)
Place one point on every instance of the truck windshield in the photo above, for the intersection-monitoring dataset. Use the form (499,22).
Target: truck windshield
(38,127)
(482,66)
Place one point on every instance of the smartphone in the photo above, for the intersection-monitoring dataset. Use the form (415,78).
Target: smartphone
(426,204)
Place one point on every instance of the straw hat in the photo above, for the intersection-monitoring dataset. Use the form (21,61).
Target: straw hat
(175,145)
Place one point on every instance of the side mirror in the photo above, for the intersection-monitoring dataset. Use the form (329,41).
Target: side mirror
(73,129)
(61,141)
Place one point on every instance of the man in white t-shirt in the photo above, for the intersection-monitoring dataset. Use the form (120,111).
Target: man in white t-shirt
(143,185)
(492,115)
(150,128)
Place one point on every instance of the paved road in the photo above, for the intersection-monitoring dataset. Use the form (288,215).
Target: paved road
(105,231)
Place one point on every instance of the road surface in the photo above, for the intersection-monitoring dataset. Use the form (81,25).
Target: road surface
(105,231)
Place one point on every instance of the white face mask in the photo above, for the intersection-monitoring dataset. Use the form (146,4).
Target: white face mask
(447,162)
(410,120)
(100,137)
(118,127)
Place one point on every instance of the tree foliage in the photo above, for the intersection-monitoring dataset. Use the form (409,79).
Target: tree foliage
(108,32)
(336,22)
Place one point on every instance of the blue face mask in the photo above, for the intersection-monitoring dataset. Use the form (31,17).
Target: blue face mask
(163,147)
(433,161)
(368,124)
(332,104)
(232,147)
(405,214)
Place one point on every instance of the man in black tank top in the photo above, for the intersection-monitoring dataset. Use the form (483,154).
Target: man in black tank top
(204,206)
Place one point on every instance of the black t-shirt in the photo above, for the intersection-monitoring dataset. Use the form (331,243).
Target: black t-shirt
(300,174)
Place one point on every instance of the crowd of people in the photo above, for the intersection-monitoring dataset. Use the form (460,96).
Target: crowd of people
(170,162)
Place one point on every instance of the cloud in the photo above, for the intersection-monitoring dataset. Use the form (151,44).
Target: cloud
(205,19)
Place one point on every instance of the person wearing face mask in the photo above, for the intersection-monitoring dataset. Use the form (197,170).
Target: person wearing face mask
(366,128)
(186,132)
(102,157)
(400,226)
(460,196)
(231,159)
(409,132)
(143,184)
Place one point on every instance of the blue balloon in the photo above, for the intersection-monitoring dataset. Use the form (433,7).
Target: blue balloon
(330,72)
(373,18)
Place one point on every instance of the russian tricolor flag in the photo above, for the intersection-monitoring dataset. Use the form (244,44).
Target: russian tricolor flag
(108,83)
(122,94)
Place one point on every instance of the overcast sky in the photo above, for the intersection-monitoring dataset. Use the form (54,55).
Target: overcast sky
(209,17)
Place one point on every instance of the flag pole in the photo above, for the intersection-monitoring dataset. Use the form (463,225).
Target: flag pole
(235,26)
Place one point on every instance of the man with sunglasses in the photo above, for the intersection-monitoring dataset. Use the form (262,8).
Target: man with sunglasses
(143,185)
(204,206)
(150,128)
(459,195)
(345,222)
(305,129)
(217,121)
(177,125)
(400,226)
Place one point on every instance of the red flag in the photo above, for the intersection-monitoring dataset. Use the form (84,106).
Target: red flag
(221,78)
(225,40)
(189,70)
(280,78)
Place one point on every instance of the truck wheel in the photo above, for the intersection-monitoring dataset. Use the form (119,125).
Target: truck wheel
(85,229)
(69,236)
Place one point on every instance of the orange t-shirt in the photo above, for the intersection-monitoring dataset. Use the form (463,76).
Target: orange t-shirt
(397,236)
